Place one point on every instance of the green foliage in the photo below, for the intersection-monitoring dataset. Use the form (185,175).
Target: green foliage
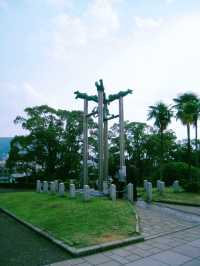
(53,146)
(180,171)
(74,221)
(182,197)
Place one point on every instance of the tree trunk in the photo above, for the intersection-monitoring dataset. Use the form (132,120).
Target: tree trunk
(189,150)
(161,154)
(196,142)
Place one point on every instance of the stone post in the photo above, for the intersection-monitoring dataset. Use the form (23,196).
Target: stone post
(158,184)
(86,193)
(161,187)
(145,185)
(56,185)
(61,189)
(53,187)
(130,192)
(45,186)
(149,191)
(105,188)
(72,191)
(113,192)
(38,186)
(176,186)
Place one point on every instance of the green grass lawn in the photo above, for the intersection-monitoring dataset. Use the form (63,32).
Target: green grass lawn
(176,197)
(74,221)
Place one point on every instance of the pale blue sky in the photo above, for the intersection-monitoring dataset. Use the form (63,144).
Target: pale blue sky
(49,48)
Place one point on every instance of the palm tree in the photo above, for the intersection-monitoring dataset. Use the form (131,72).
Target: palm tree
(162,115)
(196,108)
(187,111)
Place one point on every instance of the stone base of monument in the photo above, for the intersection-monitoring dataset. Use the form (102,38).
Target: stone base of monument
(93,192)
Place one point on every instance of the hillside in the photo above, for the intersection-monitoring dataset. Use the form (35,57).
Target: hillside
(4,147)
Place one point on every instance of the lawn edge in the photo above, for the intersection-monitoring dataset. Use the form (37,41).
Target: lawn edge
(77,252)
(177,203)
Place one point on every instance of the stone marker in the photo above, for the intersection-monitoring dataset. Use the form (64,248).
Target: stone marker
(158,184)
(52,187)
(149,191)
(105,188)
(176,186)
(45,186)
(38,186)
(61,190)
(86,193)
(72,191)
(145,185)
(56,184)
(130,192)
(113,192)
(161,187)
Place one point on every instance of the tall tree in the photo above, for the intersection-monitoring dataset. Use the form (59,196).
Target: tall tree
(187,112)
(162,115)
(53,143)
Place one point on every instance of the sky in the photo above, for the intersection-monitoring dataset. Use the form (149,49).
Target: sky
(50,48)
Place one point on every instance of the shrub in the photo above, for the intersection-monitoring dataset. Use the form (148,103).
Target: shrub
(180,171)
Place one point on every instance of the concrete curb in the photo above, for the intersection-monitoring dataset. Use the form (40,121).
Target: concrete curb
(80,251)
(177,203)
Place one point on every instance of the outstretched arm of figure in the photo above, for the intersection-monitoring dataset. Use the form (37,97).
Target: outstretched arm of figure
(113,97)
(80,95)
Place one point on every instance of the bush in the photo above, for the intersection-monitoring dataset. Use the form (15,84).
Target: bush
(180,171)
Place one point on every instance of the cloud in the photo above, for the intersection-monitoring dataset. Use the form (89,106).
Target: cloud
(61,4)
(148,22)
(98,22)
(102,18)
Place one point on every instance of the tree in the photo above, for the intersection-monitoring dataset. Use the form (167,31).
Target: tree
(187,111)
(52,147)
(162,116)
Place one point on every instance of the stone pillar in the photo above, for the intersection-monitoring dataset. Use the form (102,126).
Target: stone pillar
(86,193)
(158,184)
(176,186)
(130,192)
(105,147)
(53,187)
(121,130)
(113,192)
(61,191)
(72,191)
(149,191)
(145,185)
(161,187)
(56,185)
(100,136)
(105,188)
(38,186)
(45,186)
(85,143)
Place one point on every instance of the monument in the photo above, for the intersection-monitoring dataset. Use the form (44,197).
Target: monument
(103,117)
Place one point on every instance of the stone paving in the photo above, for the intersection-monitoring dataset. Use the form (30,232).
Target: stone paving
(160,220)
(172,238)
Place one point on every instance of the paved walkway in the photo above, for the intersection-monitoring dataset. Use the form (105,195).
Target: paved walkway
(20,246)
(172,238)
